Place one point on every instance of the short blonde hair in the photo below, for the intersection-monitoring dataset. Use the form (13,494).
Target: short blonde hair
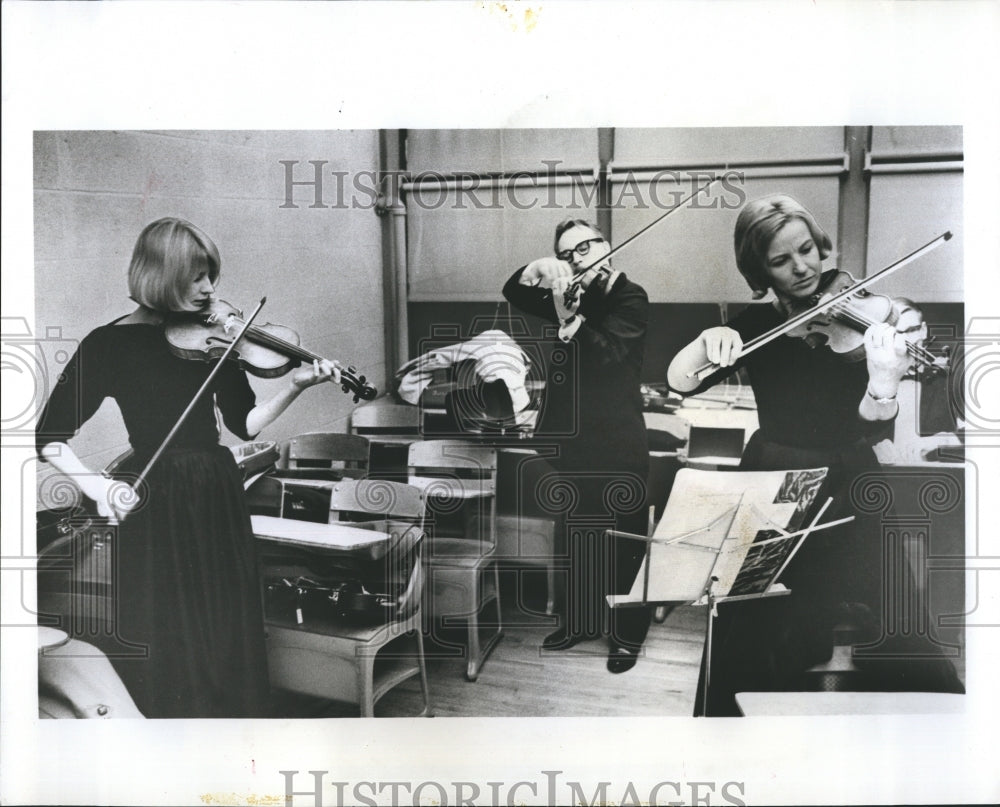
(757,225)
(168,255)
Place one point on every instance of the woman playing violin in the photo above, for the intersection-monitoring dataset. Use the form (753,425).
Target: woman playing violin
(187,588)
(807,398)
(815,409)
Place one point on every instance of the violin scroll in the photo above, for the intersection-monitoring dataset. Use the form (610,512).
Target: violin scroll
(574,290)
(351,382)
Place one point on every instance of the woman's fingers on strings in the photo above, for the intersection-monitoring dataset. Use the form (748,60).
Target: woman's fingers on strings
(326,370)
(882,335)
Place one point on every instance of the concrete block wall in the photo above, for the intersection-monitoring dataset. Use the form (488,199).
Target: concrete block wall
(320,268)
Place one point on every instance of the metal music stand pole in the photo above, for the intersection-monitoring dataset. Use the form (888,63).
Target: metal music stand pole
(712,613)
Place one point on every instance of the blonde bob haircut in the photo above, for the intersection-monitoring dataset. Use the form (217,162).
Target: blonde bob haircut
(759,222)
(168,255)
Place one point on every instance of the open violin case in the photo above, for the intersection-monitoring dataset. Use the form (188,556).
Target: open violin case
(75,548)
(318,577)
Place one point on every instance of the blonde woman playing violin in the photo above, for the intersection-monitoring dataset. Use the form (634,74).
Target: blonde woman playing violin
(187,588)
(815,409)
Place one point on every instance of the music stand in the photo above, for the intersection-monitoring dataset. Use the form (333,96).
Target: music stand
(752,532)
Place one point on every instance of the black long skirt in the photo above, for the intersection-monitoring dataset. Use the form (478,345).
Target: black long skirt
(767,644)
(188,592)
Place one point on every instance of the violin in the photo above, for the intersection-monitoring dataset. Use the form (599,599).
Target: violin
(267,351)
(841,328)
(573,290)
(847,313)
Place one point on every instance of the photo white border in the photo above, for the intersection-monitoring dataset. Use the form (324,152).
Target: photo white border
(457,64)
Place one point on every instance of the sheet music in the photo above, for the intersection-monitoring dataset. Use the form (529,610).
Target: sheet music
(728,525)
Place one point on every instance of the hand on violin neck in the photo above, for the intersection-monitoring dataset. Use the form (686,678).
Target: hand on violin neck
(316,373)
(888,362)
(564,309)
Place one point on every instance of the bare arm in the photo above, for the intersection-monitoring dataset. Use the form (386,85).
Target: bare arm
(263,414)
(113,498)
(720,346)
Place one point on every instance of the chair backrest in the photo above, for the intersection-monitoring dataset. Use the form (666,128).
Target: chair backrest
(454,473)
(386,420)
(347,453)
(377,497)
(399,509)
(437,457)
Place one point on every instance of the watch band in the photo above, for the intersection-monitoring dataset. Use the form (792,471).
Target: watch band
(877,399)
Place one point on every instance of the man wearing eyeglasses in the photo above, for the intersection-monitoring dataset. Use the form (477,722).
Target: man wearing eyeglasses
(592,415)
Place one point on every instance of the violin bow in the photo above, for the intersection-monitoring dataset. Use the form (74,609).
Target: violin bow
(792,322)
(573,289)
(140,480)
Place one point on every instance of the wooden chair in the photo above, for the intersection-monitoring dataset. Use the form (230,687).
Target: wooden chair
(530,541)
(325,455)
(390,428)
(351,662)
(525,532)
(459,482)
(387,422)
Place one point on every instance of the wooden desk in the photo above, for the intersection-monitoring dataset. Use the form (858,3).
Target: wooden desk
(452,488)
(335,537)
(808,704)
(325,655)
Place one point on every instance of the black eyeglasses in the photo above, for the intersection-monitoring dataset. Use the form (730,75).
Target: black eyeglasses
(580,249)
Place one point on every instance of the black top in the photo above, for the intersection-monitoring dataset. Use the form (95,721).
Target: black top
(806,397)
(593,404)
(133,365)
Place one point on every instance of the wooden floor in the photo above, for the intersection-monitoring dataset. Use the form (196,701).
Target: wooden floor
(519,679)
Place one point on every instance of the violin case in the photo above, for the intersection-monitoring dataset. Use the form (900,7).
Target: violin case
(75,569)
(317,588)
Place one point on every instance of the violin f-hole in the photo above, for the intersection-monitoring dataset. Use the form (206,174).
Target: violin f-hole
(218,340)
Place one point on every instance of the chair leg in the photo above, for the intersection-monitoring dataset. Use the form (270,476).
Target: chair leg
(478,653)
(366,676)
(550,581)
(421,660)
(472,670)
(496,585)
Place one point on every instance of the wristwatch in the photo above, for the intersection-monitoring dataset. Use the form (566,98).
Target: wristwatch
(887,400)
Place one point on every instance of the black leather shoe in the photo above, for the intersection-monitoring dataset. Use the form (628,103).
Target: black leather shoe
(561,639)
(621,660)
